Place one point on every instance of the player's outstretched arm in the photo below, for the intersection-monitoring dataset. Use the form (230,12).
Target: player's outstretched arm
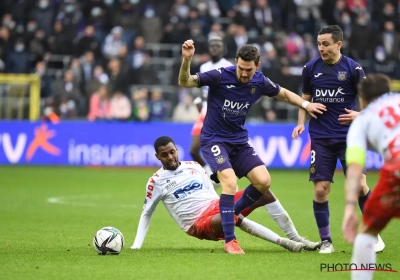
(301,119)
(185,79)
(153,197)
(292,98)
(142,229)
(352,190)
(355,161)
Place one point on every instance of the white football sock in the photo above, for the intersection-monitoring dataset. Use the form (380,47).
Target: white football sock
(363,253)
(259,231)
(282,218)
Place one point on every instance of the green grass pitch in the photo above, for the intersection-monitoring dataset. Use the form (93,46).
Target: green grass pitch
(49,216)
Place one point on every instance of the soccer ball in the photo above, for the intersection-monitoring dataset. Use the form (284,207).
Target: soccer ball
(108,240)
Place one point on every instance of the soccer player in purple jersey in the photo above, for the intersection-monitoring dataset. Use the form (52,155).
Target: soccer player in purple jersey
(224,140)
(330,79)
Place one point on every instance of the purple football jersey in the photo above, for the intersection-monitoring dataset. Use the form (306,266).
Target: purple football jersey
(228,103)
(335,86)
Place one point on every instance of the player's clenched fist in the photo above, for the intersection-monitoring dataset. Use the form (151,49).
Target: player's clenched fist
(188,49)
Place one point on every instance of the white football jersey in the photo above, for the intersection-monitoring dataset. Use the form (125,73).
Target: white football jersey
(378,126)
(208,66)
(186,193)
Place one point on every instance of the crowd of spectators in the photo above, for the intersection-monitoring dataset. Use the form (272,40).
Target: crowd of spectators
(115,59)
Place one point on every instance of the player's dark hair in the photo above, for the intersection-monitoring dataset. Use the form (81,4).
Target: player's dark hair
(335,30)
(373,86)
(162,141)
(248,53)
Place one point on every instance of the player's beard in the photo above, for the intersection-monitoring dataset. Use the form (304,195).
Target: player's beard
(244,80)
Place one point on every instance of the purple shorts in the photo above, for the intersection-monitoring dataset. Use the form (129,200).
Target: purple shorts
(324,155)
(240,157)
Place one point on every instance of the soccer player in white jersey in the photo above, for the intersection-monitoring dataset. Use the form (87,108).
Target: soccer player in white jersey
(216,50)
(190,198)
(377,128)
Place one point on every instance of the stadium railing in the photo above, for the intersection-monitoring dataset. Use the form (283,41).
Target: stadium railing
(19,92)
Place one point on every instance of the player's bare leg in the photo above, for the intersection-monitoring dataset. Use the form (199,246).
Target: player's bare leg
(195,153)
(259,231)
(363,251)
(364,194)
(227,177)
(195,150)
(321,214)
(282,218)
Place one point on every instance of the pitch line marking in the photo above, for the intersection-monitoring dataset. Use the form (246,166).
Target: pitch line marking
(71,200)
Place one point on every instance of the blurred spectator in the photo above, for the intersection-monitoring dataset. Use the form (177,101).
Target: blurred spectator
(309,50)
(88,42)
(99,105)
(216,31)
(212,9)
(98,78)
(19,61)
(43,14)
(120,106)
(197,36)
(123,59)
(235,38)
(86,64)
(117,79)
(288,13)
(76,69)
(159,108)
(346,25)
(67,108)
(45,79)
(243,15)
(20,11)
(71,19)
(309,14)
(181,8)
(6,44)
(361,33)
(185,111)
(140,105)
(264,15)
(59,42)
(338,11)
(7,21)
(389,14)
(113,42)
(128,18)
(67,90)
(38,46)
(294,44)
(99,15)
(31,27)
(381,64)
(147,73)
(137,53)
(390,40)
(151,25)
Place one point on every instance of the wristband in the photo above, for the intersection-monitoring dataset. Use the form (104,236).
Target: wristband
(304,104)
